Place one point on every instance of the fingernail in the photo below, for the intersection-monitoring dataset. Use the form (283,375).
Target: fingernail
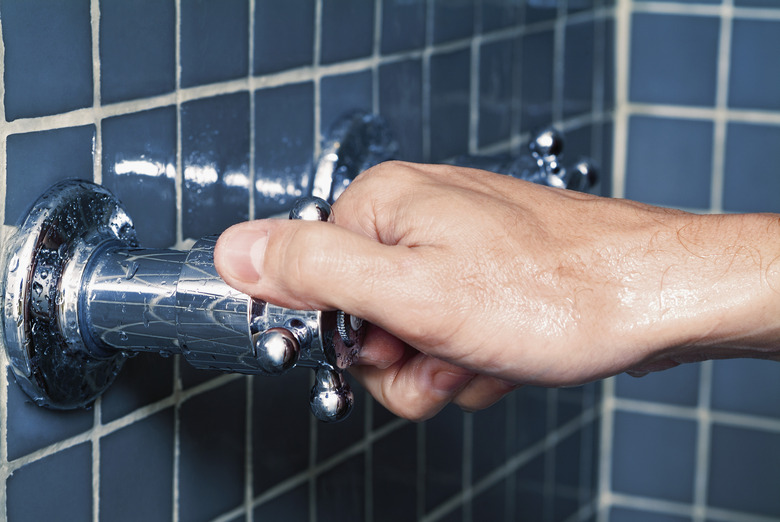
(242,253)
(450,382)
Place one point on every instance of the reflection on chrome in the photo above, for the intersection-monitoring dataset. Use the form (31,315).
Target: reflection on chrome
(201,174)
(142,167)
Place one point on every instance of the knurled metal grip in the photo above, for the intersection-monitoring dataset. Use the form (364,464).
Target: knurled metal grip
(81,297)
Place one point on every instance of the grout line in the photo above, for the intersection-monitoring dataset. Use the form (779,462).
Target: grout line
(5,469)
(420,471)
(669,507)
(177,401)
(721,104)
(704,430)
(474,79)
(426,82)
(248,449)
(559,52)
(687,8)
(179,182)
(252,115)
(604,495)
(467,465)
(97,422)
(622,109)
(97,153)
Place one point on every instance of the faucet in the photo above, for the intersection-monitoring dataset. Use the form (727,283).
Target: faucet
(81,296)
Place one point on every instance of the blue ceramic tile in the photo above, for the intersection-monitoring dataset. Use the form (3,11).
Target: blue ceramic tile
(400,104)
(212,439)
(490,443)
(754,81)
(139,167)
(449,119)
(687,1)
(347,30)
(403,25)
(57,487)
(574,6)
(744,471)
(453,20)
(215,156)
(540,10)
(755,3)
(343,94)
(578,69)
(746,386)
(604,185)
(491,503)
(443,447)
(341,492)
(48,57)
(532,414)
(136,471)
(335,438)
(136,49)
(395,475)
(144,379)
(678,385)
(578,143)
(287,26)
(674,59)
(280,427)
(284,144)
(214,41)
(609,64)
(293,505)
(751,180)
(495,91)
(623,514)
(536,84)
(37,160)
(669,161)
(31,427)
(497,14)
(662,448)
(569,405)
(191,376)
(569,461)
(530,494)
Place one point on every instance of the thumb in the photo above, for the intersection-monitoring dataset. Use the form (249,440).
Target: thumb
(314,265)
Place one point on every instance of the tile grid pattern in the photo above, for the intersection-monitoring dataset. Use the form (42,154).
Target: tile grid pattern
(95,115)
(623,397)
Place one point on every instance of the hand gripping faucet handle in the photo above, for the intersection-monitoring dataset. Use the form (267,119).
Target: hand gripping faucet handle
(331,398)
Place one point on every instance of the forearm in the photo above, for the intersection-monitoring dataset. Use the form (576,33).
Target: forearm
(705,287)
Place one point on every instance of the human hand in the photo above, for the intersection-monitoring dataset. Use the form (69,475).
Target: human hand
(475,283)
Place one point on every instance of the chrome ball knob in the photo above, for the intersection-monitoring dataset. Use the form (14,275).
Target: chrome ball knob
(311,209)
(548,142)
(587,173)
(331,398)
(276,351)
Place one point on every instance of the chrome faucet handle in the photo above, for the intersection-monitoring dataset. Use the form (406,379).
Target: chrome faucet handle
(80,297)
(543,166)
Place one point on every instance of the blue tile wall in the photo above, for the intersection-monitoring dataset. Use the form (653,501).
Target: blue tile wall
(669,161)
(679,68)
(659,446)
(48,58)
(37,160)
(198,114)
(137,49)
(699,112)
(754,83)
(206,58)
(283,25)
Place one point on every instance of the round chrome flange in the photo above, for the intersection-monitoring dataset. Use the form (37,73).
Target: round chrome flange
(47,256)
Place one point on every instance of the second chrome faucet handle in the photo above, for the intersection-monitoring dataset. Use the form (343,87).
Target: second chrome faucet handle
(331,398)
